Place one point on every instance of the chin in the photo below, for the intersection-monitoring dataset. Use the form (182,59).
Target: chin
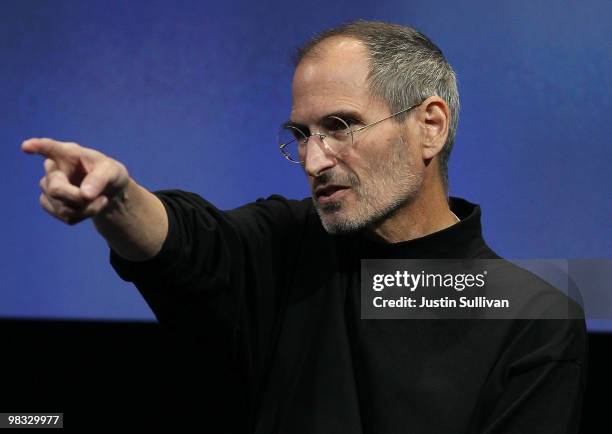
(331,217)
(335,223)
(335,229)
(340,217)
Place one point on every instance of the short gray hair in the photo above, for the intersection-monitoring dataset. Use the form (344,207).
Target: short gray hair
(406,67)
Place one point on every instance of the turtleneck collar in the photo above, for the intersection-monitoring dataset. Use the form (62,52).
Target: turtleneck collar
(461,240)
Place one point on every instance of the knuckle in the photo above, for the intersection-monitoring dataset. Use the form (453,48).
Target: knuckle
(46,202)
(54,187)
(121,167)
(52,175)
(54,190)
(107,164)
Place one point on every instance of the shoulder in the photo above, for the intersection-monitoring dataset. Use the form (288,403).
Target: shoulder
(537,287)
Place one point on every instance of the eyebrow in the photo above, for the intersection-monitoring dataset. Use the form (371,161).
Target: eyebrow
(343,114)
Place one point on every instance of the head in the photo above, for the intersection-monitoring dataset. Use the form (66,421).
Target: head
(366,71)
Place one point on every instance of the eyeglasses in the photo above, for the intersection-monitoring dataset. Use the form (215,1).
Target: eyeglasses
(335,134)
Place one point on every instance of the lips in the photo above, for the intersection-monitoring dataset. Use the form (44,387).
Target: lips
(329,192)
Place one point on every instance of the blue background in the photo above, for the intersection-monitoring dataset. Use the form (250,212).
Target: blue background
(189,94)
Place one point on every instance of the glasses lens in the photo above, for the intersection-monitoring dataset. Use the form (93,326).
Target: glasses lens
(291,140)
(337,132)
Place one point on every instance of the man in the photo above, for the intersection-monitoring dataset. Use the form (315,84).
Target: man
(374,115)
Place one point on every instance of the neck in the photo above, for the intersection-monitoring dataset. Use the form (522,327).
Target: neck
(426,213)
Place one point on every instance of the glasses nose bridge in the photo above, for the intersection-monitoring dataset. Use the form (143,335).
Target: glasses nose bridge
(321,136)
(322,146)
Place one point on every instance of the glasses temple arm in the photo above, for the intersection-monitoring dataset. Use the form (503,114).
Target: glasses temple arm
(384,119)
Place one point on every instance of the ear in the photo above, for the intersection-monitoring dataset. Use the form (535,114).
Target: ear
(434,120)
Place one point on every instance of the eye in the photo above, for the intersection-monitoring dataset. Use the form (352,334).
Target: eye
(350,121)
(297,133)
(336,124)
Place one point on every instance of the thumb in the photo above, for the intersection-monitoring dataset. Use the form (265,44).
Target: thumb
(94,182)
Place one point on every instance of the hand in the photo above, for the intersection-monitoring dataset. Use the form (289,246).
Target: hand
(79,182)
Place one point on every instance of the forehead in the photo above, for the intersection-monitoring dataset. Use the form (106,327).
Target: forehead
(332,78)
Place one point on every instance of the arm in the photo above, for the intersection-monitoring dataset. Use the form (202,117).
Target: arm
(542,383)
(135,224)
(544,399)
(81,182)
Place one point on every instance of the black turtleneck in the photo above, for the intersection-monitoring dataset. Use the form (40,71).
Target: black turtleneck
(282,298)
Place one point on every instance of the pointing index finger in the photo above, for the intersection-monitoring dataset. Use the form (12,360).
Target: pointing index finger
(44,146)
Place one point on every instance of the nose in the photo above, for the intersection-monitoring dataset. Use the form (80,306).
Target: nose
(318,156)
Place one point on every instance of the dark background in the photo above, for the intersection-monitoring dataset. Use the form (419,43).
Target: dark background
(112,374)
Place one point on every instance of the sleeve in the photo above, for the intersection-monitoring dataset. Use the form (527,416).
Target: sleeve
(541,387)
(221,273)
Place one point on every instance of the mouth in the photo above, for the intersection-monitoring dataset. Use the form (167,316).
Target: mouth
(329,193)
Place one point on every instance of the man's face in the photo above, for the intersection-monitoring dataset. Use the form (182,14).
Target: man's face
(382,171)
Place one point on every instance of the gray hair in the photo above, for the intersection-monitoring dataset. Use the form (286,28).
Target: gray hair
(406,67)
